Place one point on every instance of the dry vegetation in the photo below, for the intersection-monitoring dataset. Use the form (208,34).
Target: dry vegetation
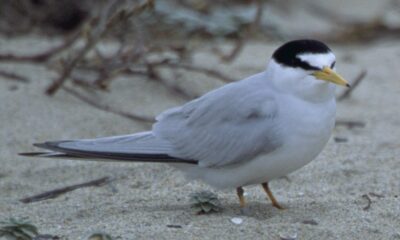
(146,39)
(130,26)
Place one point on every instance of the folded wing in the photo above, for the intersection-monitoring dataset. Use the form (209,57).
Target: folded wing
(136,147)
(227,126)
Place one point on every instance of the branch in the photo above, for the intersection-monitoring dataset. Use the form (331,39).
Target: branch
(92,37)
(369,202)
(59,191)
(206,71)
(240,42)
(98,105)
(350,124)
(41,57)
(172,87)
(193,68)
(14,76)
(103,24)
(91,42)
(235,51)
(354,84)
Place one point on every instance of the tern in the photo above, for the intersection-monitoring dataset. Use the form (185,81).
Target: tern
(244,133)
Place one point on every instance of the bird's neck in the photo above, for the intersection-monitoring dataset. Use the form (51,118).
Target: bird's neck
(295,83)
(321,92)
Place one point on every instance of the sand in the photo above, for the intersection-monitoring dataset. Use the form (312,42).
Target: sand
(324,200)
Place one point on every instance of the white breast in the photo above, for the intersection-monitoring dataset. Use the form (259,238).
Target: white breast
(308,127)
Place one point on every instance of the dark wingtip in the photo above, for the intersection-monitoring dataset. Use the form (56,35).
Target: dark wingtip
(44,145)
(50,145)
(40,145)
(31,154)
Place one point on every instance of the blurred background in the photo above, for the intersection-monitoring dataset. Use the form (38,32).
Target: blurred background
(92,43)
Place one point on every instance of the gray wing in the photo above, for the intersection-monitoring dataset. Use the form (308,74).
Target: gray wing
(225,126)
(142,146)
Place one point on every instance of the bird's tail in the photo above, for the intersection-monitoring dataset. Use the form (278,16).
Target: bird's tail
(140,147)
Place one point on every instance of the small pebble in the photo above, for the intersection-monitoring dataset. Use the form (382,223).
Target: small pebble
(174,226)
(291,236)
(46,237)
(310,222)
(340,139)
(237,220)
(13,88)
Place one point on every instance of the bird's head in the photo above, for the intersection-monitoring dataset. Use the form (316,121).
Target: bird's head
(306,62)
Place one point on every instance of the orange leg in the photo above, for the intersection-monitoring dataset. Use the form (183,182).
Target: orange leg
(239,192)
(271,196)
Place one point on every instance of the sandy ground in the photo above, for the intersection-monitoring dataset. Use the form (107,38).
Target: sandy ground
(145,198)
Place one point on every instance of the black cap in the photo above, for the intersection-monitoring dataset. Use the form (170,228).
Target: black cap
(288,52)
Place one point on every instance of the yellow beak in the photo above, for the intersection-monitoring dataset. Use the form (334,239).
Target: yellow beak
(327,74)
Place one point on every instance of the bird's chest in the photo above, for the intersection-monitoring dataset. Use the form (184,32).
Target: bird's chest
(308,124)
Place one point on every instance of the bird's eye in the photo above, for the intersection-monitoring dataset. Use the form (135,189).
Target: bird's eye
(333,64)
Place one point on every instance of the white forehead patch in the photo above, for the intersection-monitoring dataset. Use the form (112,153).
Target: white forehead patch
(318,60)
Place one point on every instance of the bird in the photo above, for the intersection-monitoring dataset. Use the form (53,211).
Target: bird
(244,133)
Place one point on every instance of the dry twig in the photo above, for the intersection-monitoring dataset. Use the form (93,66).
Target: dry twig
(240,42)
(377,195)
(193,68)
(206,71)
(98,105)
(97,71)
(103,24)
(40,57)
(172,86)
(369,202)
(354,84)
(68,68)
(59,191)
(13,76)
(92,38)
(350,124)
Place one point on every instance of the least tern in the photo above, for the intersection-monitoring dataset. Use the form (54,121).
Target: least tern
(244,133)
